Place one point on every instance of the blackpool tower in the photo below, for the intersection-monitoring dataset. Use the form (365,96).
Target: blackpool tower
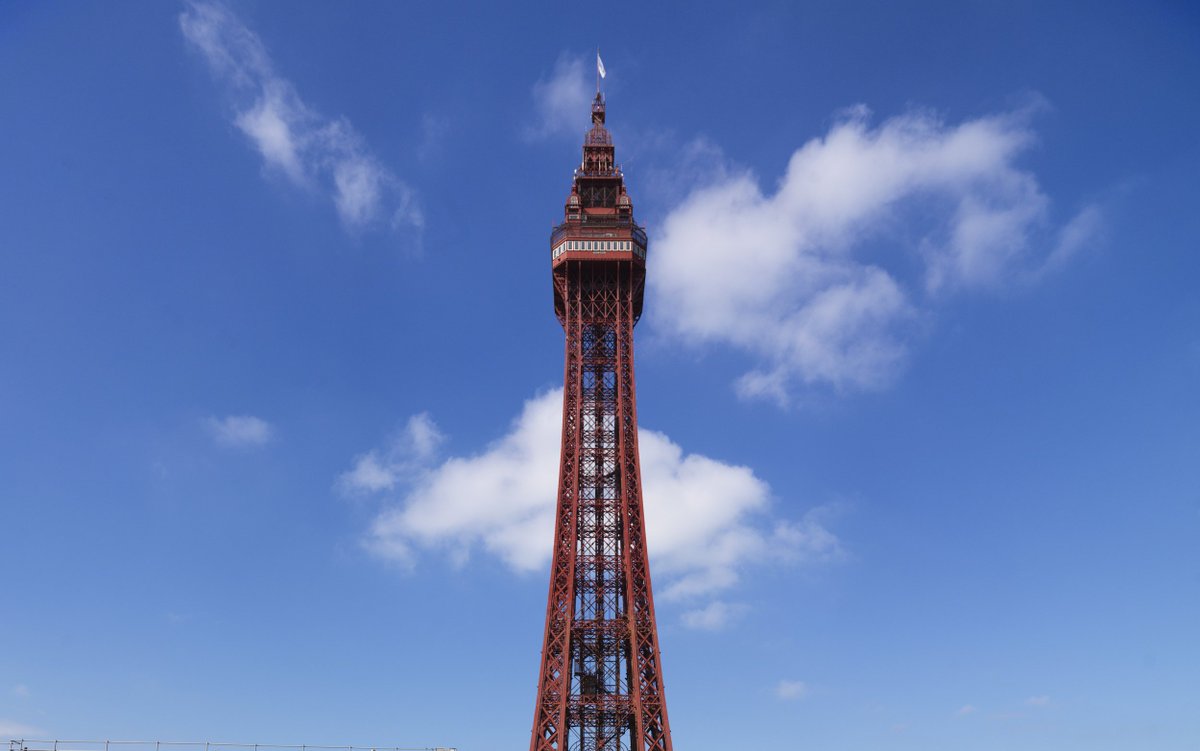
(600,683)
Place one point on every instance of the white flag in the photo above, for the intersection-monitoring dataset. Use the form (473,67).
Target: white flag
(600,66)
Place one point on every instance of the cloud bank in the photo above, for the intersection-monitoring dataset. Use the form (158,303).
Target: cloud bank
(706,520)
(309,150)
(808,278)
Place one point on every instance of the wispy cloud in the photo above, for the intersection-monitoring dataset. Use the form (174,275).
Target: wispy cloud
(18,730)
(561,101)
(404,456)
(1083,229)
(1038,701)
(966,709)
(815,278)
(308,149)
(706,520)
(791,690)
(714,616)
(239,431)
(21,691)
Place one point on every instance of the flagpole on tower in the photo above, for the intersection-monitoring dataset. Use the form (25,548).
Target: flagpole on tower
(600,71)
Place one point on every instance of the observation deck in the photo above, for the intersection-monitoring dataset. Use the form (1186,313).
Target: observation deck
(594,239)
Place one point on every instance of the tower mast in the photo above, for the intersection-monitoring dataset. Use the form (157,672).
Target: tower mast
(600,682)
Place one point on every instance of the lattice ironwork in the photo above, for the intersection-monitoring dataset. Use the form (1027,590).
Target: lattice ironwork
(600,683)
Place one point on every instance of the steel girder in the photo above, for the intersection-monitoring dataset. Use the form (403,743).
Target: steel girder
(600,684)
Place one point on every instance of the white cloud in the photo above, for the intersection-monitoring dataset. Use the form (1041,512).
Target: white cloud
(18,731)
(562,102)
(791,690)
(239,431)
(712,617)
(370,474)
(405,453)
(1085,227)
(1038,701)
(809,278)
(21,690)
(706,520)
(309,150)
(966,709)
(422,437)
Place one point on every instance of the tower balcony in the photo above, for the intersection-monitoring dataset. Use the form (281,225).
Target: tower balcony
(594,239)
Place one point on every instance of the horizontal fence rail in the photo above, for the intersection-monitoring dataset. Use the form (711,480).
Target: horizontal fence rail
(598,229)
(69,745)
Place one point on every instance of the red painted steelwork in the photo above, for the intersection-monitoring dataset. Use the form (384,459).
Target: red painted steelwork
(600,685)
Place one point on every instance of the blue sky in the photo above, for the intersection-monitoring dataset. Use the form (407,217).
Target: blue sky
(917,371)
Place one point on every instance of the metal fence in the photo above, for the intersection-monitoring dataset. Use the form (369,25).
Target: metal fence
(67,745)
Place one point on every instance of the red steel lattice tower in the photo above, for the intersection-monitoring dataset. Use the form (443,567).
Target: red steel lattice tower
(600,684)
